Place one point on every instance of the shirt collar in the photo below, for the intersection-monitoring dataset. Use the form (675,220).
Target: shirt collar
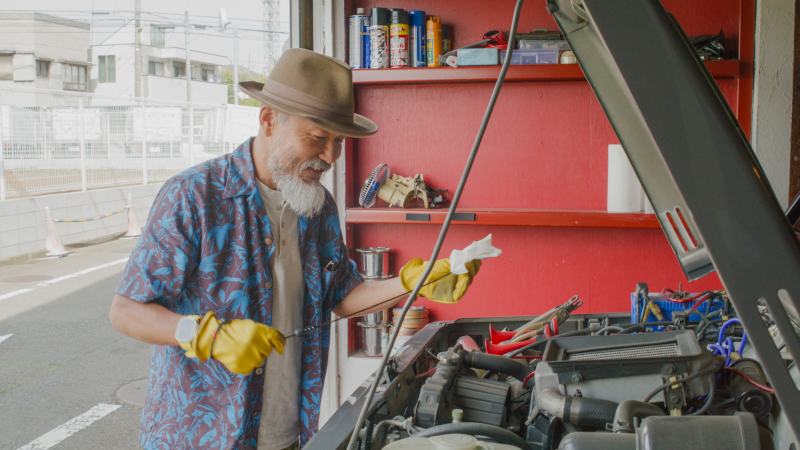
(241,179)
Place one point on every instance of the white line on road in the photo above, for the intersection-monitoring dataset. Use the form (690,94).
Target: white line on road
(3,338)
(58,434)
(14,293)
(65,277)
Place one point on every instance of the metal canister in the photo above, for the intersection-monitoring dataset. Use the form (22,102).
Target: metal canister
(434,45)
(418,38)
(398,38)
(447,38)
(374,262)
(379,39)
(359,40)
(375,326)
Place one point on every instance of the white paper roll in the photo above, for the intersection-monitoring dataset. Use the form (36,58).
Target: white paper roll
(624,189)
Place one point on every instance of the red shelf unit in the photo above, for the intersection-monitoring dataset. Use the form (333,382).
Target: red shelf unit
(487,74)
(506,217)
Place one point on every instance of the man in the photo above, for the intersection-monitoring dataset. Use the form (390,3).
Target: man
(243,249)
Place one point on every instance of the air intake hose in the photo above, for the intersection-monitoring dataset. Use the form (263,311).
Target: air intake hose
(590,412)
(497,363)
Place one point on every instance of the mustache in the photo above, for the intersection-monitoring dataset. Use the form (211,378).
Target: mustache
(316,164)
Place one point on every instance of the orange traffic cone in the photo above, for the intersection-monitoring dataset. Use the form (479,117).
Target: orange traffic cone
(52,242)
(134,229)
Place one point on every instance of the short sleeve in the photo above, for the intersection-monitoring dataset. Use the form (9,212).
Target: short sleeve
(166,252)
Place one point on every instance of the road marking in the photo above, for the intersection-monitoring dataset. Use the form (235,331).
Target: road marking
(58,434)
(14,293)
(3,338)
(65,277)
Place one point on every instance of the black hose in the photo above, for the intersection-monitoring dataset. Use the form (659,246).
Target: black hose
(497,363)
(500,435)
(592,412)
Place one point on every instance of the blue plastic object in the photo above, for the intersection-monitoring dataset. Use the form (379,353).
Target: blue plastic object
(668,307)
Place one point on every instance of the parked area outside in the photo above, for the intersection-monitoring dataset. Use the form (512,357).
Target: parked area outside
(60,141)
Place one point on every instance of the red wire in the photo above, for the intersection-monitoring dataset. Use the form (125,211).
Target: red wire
(684,300)
(425,374)
(751,381)
(527,378)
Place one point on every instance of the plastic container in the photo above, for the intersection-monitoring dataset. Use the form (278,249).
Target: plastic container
(537,44)
(668,307)
(478,57)
(528,57)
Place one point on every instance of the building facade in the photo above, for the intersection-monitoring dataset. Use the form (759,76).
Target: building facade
(163,68)
(44,51)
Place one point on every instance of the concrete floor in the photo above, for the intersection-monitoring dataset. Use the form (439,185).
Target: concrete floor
(63,356)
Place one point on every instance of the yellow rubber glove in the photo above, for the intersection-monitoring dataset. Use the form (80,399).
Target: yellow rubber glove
(448,288)
(241,345)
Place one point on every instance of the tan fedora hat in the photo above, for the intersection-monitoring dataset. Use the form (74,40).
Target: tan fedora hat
(313,86)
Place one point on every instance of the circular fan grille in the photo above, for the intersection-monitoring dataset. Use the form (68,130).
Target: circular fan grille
(369,193)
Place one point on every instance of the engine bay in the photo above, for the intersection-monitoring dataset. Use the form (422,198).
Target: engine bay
(564,380)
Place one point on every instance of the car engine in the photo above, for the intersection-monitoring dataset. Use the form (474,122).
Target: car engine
(575,382)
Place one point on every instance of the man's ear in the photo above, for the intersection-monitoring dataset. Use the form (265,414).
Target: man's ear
(267,120)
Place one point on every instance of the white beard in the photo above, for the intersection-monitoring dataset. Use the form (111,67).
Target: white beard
(306,198)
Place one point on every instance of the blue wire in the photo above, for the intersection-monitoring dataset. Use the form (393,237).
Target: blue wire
(725,346)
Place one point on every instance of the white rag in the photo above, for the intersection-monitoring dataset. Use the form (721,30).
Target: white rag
(482,249)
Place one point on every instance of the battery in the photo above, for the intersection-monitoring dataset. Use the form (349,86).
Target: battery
(359,40)
(398,38)
(418,38)
(379,39)
(434,48)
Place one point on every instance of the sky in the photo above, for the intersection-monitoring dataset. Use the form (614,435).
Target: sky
(247,14)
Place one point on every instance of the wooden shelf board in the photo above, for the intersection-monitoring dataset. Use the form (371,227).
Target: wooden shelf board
(485,74)
(508,217)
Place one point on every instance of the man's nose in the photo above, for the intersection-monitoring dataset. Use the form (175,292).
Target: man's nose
(331,151)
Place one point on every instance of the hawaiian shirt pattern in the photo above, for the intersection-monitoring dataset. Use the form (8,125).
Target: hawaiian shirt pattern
(207,246)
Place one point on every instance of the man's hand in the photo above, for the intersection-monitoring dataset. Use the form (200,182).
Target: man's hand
(241,345)
(444,287)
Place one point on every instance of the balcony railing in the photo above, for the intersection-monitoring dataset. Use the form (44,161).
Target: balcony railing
(81,87)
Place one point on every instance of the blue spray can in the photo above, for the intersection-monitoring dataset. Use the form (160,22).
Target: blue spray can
(418,37)
(359,40)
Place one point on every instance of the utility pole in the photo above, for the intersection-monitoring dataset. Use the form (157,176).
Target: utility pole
(189,90)
(138,62)
(235,64)
(188,59)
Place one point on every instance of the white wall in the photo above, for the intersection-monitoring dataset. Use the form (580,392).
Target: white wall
(772,99)
(22,221)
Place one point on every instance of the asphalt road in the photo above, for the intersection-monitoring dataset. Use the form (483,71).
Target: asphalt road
(63,357)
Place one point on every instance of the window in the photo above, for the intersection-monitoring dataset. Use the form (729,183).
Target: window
(178,69)
(155,68)
(107,68)
(42,68)
(75,78)
(208,73)
(157,36)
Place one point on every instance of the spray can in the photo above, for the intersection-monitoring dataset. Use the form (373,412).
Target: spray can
(447,38)
(359,40)
(434,41)
(419,38)
(379,39)
(398,38)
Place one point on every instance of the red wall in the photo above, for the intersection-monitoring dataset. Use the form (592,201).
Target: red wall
(545,148)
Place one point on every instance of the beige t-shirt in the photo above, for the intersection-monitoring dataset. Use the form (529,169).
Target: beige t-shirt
(280,415)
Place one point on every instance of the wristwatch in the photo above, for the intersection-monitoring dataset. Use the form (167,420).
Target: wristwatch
(186,330)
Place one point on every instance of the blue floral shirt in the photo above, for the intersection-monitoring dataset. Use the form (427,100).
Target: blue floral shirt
(208,246)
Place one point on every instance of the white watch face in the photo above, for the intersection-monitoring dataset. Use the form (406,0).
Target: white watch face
(187,328)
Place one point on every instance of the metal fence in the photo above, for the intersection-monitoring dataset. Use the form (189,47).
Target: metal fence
(58,141)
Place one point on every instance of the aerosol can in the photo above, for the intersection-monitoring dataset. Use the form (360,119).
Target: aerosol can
(359,40)
(379,39)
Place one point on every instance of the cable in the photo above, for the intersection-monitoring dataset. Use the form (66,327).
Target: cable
(610,328)
(747,378)
(300,332)
(673,383)
(710,399)
(453,205)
